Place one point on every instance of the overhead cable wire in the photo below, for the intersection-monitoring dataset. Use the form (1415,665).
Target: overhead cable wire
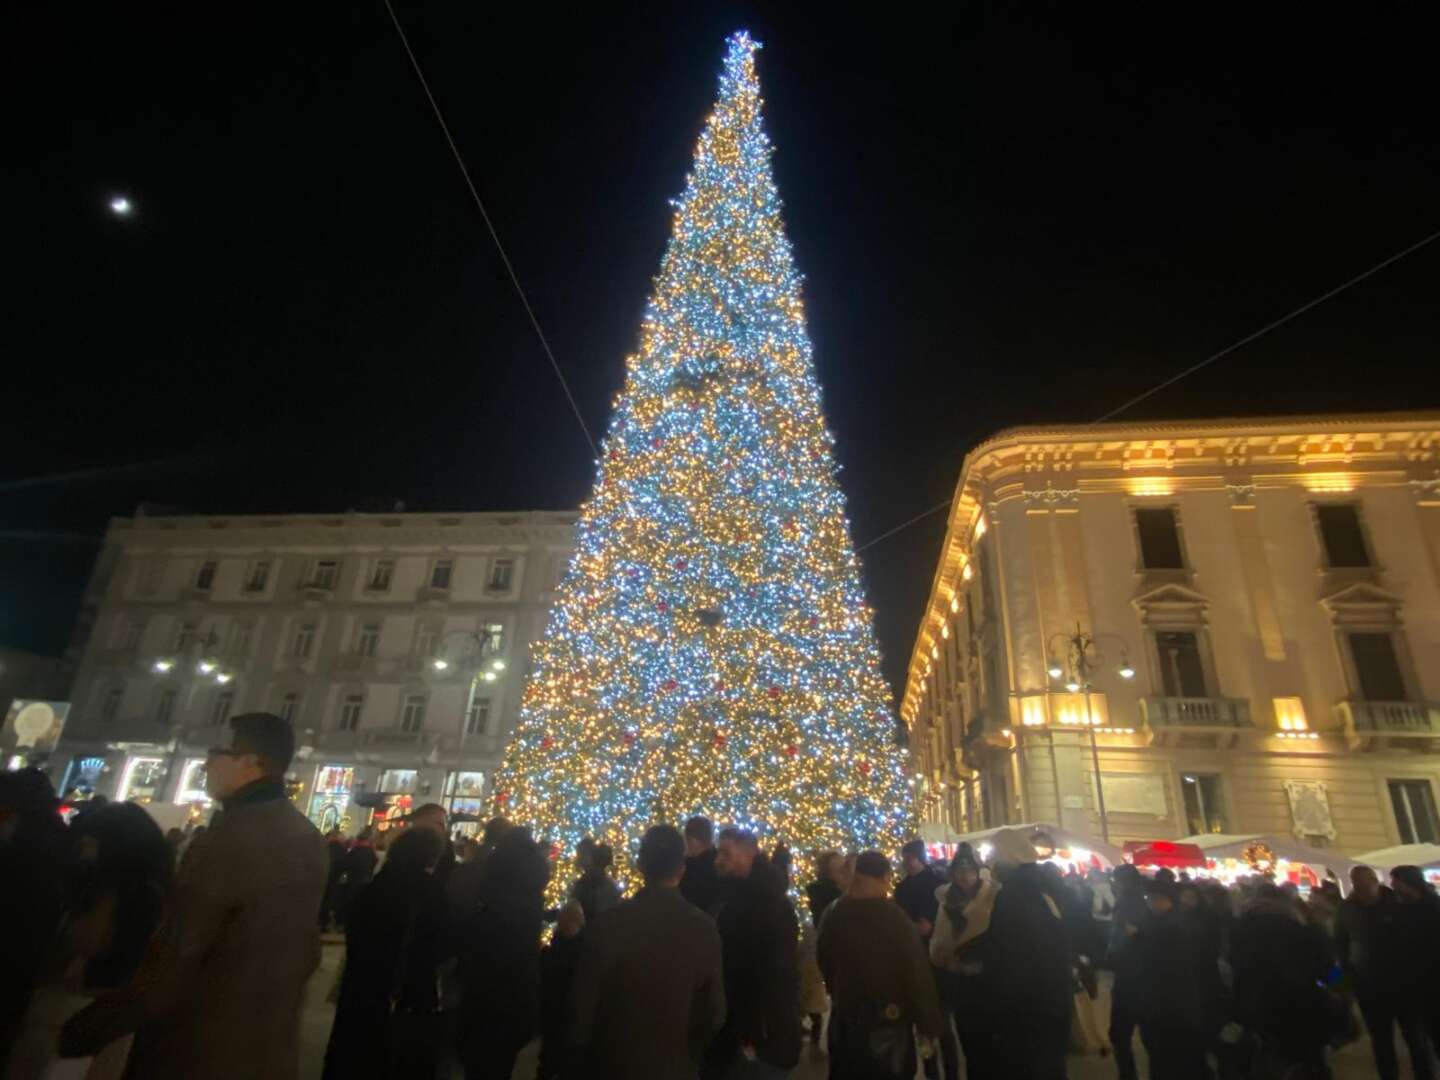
(495,236)
(1246,340)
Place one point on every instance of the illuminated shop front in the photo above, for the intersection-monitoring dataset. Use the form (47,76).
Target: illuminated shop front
(334,785)
(400,785)
(141,780)
(464,795)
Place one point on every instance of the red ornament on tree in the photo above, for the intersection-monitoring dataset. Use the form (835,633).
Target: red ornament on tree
(680,564)
(774,691)
(629,738)
(502,797)
(662,607)
(719,738)
(655,443)
(671,684)
(791,750)
(864,768)
(814,621)
(546,743)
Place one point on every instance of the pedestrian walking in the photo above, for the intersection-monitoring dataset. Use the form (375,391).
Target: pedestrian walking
(881,987)
(219,992)
(1031,975)
(336,851)
(701,884)
(758,931)
(1123,957)
(558,962)
(500,959)
(386,1020)
(649,991)
(960,952)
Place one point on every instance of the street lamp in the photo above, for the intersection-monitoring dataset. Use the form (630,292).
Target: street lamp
(206,667)
(471,649)
(1082,660)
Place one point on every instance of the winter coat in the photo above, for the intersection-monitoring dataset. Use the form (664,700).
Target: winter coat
(871,956)
(701,884)
(220,991)
(1030,973)
(956,948)
(916,894)
(1170,996)
(500,976)
(649,990)
(595,891)
(1279,962)
(822,892)
(759,932)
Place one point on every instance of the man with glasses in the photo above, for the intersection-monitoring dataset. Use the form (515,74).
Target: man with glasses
(220,991)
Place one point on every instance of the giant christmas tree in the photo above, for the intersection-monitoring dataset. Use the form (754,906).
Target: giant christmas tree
(710,650)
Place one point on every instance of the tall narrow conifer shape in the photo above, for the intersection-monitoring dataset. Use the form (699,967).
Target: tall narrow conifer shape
(710,649)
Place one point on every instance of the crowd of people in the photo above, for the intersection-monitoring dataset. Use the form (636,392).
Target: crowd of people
(161,956)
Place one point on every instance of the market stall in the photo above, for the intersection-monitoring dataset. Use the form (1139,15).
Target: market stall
(1050,843)
(1166,853)
(1425,856)
(1230,856)
(940,840)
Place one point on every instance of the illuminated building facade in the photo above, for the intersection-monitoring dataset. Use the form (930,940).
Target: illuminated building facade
(1258,603)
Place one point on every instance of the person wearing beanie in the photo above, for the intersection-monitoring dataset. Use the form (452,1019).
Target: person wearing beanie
(880,982)
(959,951)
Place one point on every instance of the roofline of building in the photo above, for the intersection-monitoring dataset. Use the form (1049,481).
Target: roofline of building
(1137,430)
(353,517)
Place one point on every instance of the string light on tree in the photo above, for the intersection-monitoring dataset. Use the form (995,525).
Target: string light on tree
(710,650)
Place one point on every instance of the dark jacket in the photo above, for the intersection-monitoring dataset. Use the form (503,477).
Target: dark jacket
(760,933)
(595,891)
(220,991)
(1167,953)
(701,885)
(822,892)
(916,894)
(871,956)
(1031,973)
(1279,962)
(649,991)
(1369,943)
(392,912)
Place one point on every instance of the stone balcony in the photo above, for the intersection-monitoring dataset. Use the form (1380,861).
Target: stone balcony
(1375,725)
(1214,722)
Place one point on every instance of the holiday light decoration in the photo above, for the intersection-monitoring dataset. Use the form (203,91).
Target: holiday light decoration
(710,650)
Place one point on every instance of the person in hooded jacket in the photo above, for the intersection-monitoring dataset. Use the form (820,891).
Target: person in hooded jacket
(1030,975)
(960,952)
(393,948)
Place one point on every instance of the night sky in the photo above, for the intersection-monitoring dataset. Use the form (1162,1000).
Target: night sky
(1015,213)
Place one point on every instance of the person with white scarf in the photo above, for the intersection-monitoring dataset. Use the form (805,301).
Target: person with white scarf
(958,951)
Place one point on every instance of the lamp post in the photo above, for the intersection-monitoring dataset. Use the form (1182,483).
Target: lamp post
(471,649)
(197,664)
(1082,660)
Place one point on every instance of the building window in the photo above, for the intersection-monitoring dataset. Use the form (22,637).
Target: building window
(304,643)
(185,636)
(259,576)
(1377,668)
(110,705)
(127,633)
(1182,675)
(165,706)
(351,709)
(240,635)
(1414,803)
(426,637)
(367,640)
(495,638)
(289,708)
(1204,812)
(221,709)
(440,573)
(463,794)
(412,715)
(478,720)
(502,575)
(1159,531)
(206,576)
(1341,535)
(324,574)
(381,574)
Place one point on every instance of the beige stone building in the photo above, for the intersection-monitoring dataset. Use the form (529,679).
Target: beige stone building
(1264,602)
(397,645)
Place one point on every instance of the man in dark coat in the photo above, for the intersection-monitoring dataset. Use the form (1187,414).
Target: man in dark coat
(1170,1007)
(879,978)
(917,893)
(1372,952)
(649,993)
(1124,958)
(700,885)
(220,992)
(1032,976)
(759,933)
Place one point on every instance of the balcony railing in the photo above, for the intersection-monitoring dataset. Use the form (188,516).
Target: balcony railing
(1367,723)
(1217,719)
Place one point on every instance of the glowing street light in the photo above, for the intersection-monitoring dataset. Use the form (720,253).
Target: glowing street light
(205,667)
(440,663)
(223,677)
(498,665)
(163,667)
(120,206)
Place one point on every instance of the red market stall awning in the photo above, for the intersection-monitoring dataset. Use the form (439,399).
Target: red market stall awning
(1163,853)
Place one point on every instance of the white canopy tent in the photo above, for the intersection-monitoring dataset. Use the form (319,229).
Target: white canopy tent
(1286,848)
(1425,856)
(1058,837)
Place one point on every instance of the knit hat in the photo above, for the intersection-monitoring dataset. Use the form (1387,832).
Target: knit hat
(964,856)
